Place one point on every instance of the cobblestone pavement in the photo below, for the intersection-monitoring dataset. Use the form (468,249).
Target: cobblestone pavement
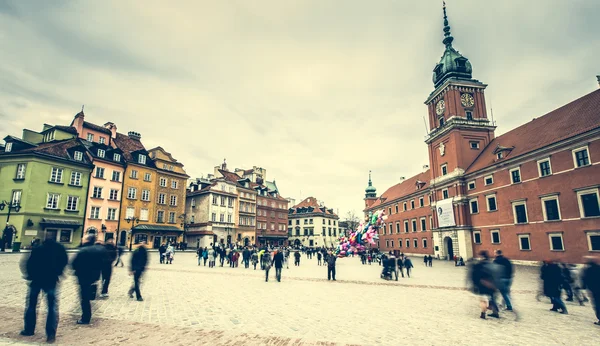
(186,304)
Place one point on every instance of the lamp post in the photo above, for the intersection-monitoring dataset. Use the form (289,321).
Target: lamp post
(11,206)
(134,221)
(184,225)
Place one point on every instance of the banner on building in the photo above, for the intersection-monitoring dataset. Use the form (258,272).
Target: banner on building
(445,213)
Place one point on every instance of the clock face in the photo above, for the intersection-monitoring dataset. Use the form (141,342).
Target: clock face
(467,100)
(440,107)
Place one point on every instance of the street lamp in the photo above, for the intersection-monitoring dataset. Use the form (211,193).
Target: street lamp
(134,221)
(184,225)
(11,206)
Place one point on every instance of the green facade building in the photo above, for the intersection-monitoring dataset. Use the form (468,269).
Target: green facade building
(47,174)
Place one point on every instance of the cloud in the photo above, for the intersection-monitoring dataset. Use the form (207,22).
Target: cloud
(317,92)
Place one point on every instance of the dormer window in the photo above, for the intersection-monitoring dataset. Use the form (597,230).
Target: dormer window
(500,155)
(101,153)
(90,137)
(8,147)
(117,157)
(102,140)
(78,156)
(142,159)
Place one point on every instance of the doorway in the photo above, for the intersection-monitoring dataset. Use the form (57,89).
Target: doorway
(123,238)
(246,241)
(449,248)
(156,244)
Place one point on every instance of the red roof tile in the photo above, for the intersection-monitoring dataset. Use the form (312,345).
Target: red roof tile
(54,148)
(96,127)
(312,202)
(402,189)
(128,145)
(572,119)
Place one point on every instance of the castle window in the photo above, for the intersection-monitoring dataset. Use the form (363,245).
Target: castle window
(441,121)
(469,115)
(474,144)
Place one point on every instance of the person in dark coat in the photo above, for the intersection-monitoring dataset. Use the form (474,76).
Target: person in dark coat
(297,258)
(111,255)
(408,265)
(331,258)
(591,281)
(484,285)
(88,264)
(430,260)
(551,275)
(162,250)
(43,268)
(139,260)
(506,277)
(278,260)
(246,257)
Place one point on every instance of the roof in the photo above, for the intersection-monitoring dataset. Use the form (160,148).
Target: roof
(402,189)
(54,148)
(96,128)
(163,228)
(311,202)
(570,120)
(60,222)
(128,145)
(68,129)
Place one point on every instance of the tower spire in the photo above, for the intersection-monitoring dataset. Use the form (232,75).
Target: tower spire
(447,35)
(370,183)
(370,191)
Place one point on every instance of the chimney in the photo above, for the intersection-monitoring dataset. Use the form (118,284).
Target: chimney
(598,78)
(113,129)
(402,179)
(77,122)
(224,165)
(134,135)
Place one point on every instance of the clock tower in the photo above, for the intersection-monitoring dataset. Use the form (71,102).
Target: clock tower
(458,124)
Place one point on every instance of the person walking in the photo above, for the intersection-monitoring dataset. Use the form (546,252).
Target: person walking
(221,256)
(297,259)
(266,263)
(430,260)
(88,266)
(425,260)
(331,259)
(506,277)
(162,250)
(111,255)
(408,265)
(199,255)
(246,257)
(287,258)
(211,257)
(170,254)
(591,281)
(205,255)
(120,250)
(278,260)
(484,285)
(43,268)
(319,258)
(551,275)
(139,260)
(254,259)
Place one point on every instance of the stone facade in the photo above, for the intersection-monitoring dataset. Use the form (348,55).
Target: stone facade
(311,224)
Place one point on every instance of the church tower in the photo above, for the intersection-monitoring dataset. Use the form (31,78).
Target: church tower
(370,193)
(459,127)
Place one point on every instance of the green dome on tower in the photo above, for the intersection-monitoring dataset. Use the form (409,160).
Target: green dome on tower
(370,191)
(452,63)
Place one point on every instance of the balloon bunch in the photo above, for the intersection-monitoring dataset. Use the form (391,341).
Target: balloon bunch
(366,233)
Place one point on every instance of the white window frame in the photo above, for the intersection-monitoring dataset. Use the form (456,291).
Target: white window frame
(423,222)
(471,207)
(145,195)
(102,140)
(193,202)
(117,157)
(8,147)
(397,227)
(58,176)
(112,217)
(147,176)
(539,162)
(101,153)
(469,185)
(514,205)
(521,236)
(485,180)
(510,173)
(562,240)
(21,170)
(133,174)
(492,237)
(162,198)
(415,243)
(131,191)
(424,243)
(407,243)
(173,200)
(575,157)
(130,212)
(174,184)
(447,193)
(588,235)
(118,174)
(57,201)
(548,198)
(72,200)
(442,169)
(479,233)
(142,159)
(421,202)
(99,169)
(487,202)
(387,243)
(97,215)
(144,214)
(97,192)
(585,192)
(413,223)
(406,226)
(78,156)
(75,178)
(404,206)
(16,197)
(162,182)
(90,137)
(116,194)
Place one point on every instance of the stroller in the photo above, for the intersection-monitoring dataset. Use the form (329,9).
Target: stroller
(388,268)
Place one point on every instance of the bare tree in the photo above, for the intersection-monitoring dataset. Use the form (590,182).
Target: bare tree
(351,221)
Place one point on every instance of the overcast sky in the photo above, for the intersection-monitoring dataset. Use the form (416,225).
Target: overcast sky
(317,92)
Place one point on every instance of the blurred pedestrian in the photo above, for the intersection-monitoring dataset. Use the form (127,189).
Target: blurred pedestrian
(297,259)
(111,255)
(254,258)
(319,258)
(120,250)
(278,260)
(88,265)
(199,255)
(205,255)
(484,285)
(591,281)
(331,259)
(407,263)
(162,251)
(139,260)
(266,263)
(551,275)
(506,277)
(42,269)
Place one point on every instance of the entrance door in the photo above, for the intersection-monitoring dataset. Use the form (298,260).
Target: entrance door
(123,238)
(246,242)
(449,248)
(108,236)
(51,234)
(156,244)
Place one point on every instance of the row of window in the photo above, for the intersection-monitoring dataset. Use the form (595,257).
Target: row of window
(389,229)
(96,213)
(415,243)
(247,221)
(310,231)
(132,194)
(588,200)
(412,203)
(555,240)
(581,158)
(113,194)
(265,203)
(310,222)
(247,207)
(229,200)
(145,214)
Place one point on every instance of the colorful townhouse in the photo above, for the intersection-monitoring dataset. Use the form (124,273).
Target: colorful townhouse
(44,181)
